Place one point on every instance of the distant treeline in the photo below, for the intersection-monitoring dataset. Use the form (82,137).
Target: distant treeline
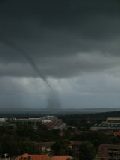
(100,115)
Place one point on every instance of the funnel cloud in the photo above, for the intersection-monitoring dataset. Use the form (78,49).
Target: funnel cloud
(53,101)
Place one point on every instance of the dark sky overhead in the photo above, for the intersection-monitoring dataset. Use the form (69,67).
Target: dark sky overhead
(73,44)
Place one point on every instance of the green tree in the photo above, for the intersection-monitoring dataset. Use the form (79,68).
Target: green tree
(87,151)
(60,148)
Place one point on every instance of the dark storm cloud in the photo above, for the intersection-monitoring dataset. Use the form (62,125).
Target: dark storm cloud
(63,37)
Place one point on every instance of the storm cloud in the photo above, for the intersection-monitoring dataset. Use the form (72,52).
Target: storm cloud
(56,33)
(66,39)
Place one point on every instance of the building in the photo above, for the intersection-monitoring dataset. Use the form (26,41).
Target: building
(116,133)
(108,152)
(61,158)
(113,120)
(2,120)
(27,156)
(51,122)
(45,146)
(111,123)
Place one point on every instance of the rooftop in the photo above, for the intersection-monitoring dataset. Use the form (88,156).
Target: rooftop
(27,156)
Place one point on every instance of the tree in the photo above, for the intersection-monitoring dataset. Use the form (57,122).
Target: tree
(87,151)
(60,148)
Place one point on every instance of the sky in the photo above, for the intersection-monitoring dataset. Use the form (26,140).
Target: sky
(71,46)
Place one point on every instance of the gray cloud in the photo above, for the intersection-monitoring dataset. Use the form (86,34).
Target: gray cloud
(65,39)
(53,33)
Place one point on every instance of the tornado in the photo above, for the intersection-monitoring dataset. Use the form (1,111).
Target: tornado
(53,100)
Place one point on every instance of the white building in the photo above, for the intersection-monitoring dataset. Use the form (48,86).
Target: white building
(2,120)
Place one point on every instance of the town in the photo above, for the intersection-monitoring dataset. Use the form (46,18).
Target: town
(60,137)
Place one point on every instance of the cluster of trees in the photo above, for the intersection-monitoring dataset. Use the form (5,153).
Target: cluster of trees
(85,151)
(36,132)
(23,138)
